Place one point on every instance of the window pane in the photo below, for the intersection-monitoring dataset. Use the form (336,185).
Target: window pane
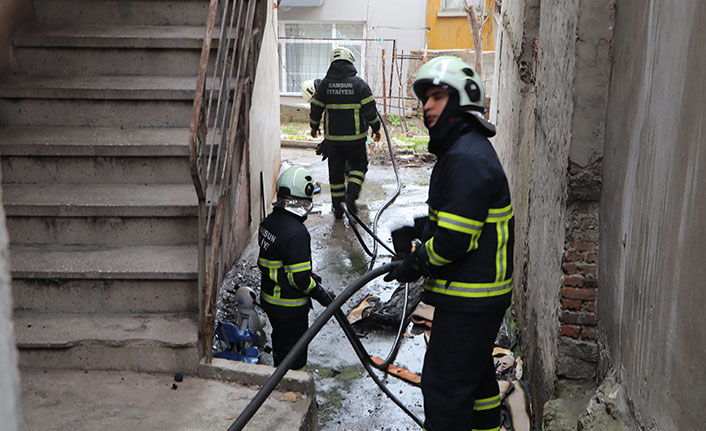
(307,30)
(305,61)
(349,31)
(452,4)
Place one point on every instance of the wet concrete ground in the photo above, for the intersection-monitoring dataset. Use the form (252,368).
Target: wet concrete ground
(347,398)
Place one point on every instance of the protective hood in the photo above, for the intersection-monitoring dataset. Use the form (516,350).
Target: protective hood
(453,122)
(298,207)
(341,69)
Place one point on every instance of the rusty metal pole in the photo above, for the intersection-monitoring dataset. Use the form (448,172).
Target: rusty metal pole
(384,90)
(392,67)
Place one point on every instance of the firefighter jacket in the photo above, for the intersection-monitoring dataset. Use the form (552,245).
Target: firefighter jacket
(346,103)
(469,234)
(285,260)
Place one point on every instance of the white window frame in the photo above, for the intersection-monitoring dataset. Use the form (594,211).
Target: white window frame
(333,40)
(445,11)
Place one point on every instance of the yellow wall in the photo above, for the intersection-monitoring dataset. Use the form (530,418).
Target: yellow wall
(454,32)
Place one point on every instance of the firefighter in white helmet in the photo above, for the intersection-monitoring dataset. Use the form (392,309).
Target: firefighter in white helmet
(288,283)
(348,108)
(466,256)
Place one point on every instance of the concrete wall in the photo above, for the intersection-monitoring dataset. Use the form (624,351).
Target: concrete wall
(9,377)
(12,13)
(549,101)
(653,232)
(264,121)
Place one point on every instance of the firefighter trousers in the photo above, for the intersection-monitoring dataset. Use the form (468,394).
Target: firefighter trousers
(288,325)
(458,379)
(356,155)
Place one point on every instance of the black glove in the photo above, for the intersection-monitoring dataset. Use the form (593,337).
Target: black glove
(406,271)
(322,150)
(402,241)
(320,295)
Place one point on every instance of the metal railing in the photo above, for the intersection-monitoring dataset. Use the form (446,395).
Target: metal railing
(218,141)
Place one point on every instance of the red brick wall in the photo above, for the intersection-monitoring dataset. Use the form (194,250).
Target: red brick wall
(578,295)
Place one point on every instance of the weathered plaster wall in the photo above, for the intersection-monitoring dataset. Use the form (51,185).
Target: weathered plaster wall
(653,233)
(264,121)
(9,377)
(552,79)
(12,13)
(512,108)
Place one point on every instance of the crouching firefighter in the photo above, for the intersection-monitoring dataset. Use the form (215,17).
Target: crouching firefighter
(466,251)
(348,107)
(287,282)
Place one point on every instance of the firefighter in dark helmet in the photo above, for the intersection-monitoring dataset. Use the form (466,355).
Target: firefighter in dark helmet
(348,108)
(466,251)
(287,282)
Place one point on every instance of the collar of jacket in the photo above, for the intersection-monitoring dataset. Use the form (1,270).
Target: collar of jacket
(300,219)
(341,69)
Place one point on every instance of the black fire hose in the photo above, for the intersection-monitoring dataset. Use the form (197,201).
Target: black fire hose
(373,232)
(332,310)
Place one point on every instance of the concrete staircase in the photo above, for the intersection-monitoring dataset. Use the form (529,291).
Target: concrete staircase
(100,206)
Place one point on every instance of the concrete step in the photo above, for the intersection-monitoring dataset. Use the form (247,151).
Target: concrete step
(84,262)
(148,342)
(30,156)
(103,230)
(136,12)
(94,141)
(91,170)
(75,400)
(105,296)
(100,200)
(110,50)
(97,101)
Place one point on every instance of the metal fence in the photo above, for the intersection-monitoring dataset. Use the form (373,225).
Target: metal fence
(378,61)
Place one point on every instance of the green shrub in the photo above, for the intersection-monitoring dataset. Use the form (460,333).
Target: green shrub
(394,120)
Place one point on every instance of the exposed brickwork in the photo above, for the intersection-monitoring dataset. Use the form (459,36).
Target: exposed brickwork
(577,316)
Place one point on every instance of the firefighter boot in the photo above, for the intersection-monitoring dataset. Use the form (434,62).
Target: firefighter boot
(337,208)
(350,204)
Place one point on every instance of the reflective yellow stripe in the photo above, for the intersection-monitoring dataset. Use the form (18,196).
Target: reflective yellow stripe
(312,283)
(434,258)
(502,229)
(433,214)
(356,118)
(468,290)
(317,103)
(367,100)
(487,403)
(488,429)
(459,224)
(343,106)
(338,190)
(499,214)
(298,267)
(285,302)
(269,263)
(375,120)
(344,137)
(356,177)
